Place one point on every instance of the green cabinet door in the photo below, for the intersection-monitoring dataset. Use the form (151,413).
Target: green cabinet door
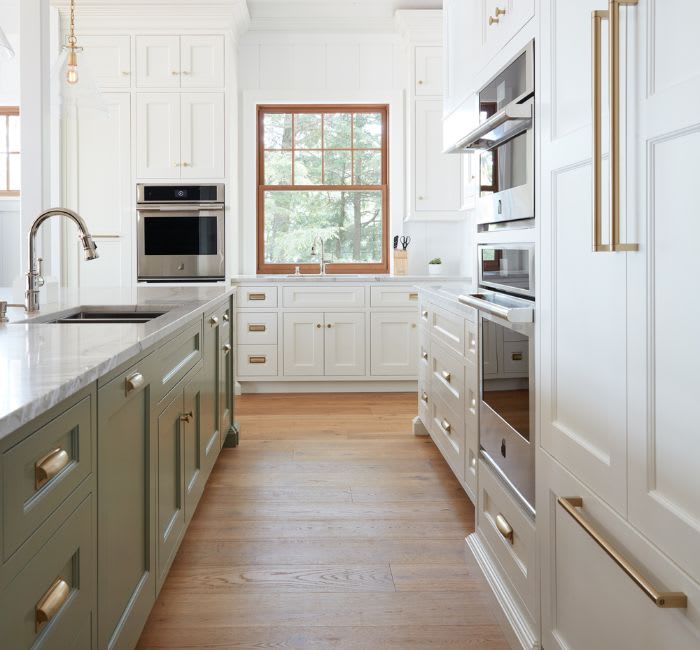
(195,448)
(171,467)
(225,381)
(126,451)
(211,437)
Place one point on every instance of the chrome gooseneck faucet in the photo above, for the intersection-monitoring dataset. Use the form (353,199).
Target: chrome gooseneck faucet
(34,278)
(322,261)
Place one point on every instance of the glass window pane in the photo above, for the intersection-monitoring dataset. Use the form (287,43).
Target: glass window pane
(307,168)
(338,167)
(368,167)
(14,133)
(15,174)
(368,131)
(278,168)
(307,130)
(3,134)
(278,130)
(337,131)
(350,223)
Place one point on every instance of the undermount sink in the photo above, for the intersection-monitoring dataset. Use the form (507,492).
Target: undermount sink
(102,314)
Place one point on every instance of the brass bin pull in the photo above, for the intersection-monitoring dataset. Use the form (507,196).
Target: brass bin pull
(258,359)
(256,328)
(256,296)
(447,376)
(504,527)
(413,296)
(134,381)
(446,425)
(662,599)
(51,603)
(49,466)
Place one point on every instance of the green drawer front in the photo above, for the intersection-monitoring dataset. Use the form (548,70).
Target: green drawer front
(176,358)
(68,556)
(41,471)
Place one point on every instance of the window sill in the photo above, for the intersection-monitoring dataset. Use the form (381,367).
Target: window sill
(9,203)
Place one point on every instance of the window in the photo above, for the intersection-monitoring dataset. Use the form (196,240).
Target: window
(322,171)
(9,151)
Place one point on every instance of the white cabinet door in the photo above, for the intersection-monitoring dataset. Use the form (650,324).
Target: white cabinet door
(663,358)
(345,344)
(101,151)
(158,135)
(582,332)
(202,60)
(428,70)
(303,344)
(158,61)
(437,176)
(203,135)
(394,344)
(109,58)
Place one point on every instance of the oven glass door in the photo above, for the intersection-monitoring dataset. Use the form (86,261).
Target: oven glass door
(507,268)
(180,235)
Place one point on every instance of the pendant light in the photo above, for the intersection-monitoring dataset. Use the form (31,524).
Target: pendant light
(73,79)
(6,51)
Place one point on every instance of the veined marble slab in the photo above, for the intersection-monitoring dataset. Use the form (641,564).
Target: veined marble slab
(356,278)
(42,364)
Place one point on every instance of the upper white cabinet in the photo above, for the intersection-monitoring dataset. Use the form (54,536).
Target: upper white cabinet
(164,61)
(180,135)
(394,339)
(109,58)
(428,70)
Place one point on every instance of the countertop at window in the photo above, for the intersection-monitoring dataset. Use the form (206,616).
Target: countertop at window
(370,277)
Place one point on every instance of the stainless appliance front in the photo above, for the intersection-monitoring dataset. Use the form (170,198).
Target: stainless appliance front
(180,232)
(507,390)
(507,267)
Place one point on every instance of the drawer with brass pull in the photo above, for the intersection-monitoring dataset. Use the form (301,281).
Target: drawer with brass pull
(176,358)
(256,360)
(53,597)
(256,297)
(393,296)
(256,328)
(447,376)
(42,470)
(446,428)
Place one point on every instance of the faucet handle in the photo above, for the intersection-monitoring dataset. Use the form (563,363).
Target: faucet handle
(40,272)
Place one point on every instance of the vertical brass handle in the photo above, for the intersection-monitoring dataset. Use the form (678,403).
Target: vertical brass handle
(50,603)
(597,18)
(48,466)
(666,600)
(504,527)
(134,381)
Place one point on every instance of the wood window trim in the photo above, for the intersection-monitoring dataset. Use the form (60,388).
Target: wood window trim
(310,268)
(8,111)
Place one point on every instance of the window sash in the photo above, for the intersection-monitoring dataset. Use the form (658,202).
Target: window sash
(6,112)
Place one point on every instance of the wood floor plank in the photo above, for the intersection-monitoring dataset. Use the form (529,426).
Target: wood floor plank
(294,493)
(436,577)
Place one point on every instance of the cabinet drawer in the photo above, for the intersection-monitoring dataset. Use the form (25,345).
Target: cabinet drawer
(257,297)
(176,358)
(257,328)
(424,400)
(423,353)
(447,376)
(448,328)
(50,601)
(515,552)
(471,343)
(256,360)
(447,431)
(43,469)
(393,296)
(324,297)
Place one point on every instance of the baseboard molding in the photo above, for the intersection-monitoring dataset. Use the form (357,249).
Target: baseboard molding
(329,386)
(518,630)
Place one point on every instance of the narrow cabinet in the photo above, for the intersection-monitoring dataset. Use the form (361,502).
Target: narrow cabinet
(127,454)
(344,343)
(158,135)
(394,339)
(303,344)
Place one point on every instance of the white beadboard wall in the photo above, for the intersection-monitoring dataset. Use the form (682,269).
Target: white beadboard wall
(311,68)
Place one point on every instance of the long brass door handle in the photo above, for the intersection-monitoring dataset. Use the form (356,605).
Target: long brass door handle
(665,599)
(50,603)
(49,466)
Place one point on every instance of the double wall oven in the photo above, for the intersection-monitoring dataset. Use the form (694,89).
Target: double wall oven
(505,300)
(180,233)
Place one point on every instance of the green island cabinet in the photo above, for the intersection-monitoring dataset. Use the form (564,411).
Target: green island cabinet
(98,491)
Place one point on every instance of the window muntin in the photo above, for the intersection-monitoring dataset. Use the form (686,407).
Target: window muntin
(10,171)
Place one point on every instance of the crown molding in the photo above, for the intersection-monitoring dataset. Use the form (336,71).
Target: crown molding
(419,24)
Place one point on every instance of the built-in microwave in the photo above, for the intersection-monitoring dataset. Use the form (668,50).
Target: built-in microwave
(507,267)
(503,137)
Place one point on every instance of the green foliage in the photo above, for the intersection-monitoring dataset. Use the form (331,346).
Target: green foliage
(435,260)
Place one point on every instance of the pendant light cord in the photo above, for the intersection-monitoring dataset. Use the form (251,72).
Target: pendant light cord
(72,41)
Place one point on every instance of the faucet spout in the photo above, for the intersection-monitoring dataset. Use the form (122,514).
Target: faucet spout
(322,261)
(34,278)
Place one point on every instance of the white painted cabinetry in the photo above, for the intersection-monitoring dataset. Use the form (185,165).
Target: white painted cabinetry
(344,344)
(394,339)
(109,57)
(428,70)
(303,344)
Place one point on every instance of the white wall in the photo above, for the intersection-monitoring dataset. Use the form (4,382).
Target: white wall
(279,67)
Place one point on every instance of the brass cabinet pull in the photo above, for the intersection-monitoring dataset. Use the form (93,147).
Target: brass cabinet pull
(258,359)
(226,318)
(424,355)
(329,325)
(517,356)
(447,376)
(424,313)
(256,296)
(660,598)
(51,603)
(226,348)
(413,296)
(256,328)
(134,381)
(318,325)
(48,466)
(504,527)
(214,320)
(186,417)
(424,397)
(446,425)
(612,15)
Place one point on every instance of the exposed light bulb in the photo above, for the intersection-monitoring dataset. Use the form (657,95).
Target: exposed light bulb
(72,74)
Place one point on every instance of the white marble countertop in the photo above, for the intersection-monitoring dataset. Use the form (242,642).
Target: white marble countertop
(41,364)
(369,277)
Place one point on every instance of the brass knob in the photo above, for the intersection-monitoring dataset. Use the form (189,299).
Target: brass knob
(424,355)
(420,82)
(318,325)
(186,417)
(226,317)
(133,382)
(493,21)
(446,425)
(504,527)
(329,325)
(447,376)
(126,73)
(175,72)
(424,397)
(424,313)
(186,164)
(214,320)
(226,348)
(188,72)
(500,12)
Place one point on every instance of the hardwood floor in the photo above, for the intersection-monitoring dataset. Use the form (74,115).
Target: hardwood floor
(330,526)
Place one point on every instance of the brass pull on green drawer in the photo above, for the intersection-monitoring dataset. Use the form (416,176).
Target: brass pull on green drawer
(214,320)
(132,382)
(51,603)
(48,466)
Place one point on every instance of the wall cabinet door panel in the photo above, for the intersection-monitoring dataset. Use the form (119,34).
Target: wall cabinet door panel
(428,70)
(158,61)
(394,344)
(202,59)
(202,136)
(303,344)
(109,58)
(158,135)
(345,344)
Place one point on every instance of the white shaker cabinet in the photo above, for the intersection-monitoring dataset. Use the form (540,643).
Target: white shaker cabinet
(428,70)
(109,58)
(394,346)
(158,135)
(303,344)
(202,61)
(344,344)
(202,135)
(158,61)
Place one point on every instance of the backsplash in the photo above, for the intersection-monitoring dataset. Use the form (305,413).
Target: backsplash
(448,240)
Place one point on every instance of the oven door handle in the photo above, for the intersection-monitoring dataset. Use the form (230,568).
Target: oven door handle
(183,207)
(512,315)
(519,114)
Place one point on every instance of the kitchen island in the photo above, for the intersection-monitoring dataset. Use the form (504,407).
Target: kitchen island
(108,433)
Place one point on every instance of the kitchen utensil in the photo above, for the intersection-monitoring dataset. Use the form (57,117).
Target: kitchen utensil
(396,242)
(405,241)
